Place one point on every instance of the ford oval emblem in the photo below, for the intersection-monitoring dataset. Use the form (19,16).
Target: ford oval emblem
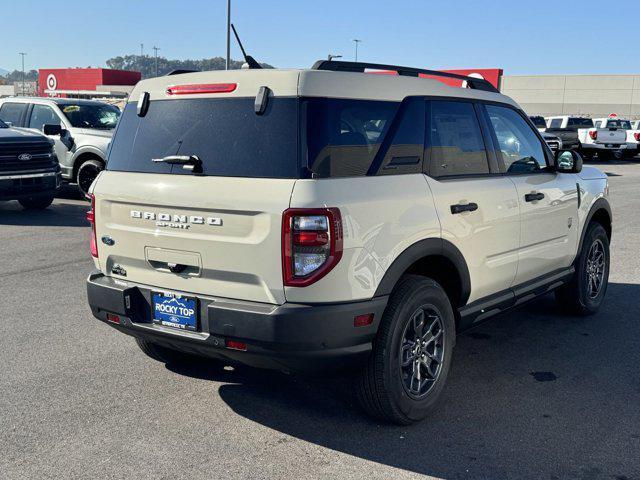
(25,157)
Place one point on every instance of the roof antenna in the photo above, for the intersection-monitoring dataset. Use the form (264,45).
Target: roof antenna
(247,58)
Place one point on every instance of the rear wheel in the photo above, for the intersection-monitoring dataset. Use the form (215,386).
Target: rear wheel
(586,291)
(87,173)
(36,202)
(411,355)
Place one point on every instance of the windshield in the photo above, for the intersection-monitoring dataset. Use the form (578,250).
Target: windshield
(623,124)
(576,122)
(100,117)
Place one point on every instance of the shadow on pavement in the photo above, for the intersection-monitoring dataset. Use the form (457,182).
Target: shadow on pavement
(532,394)
(66,211)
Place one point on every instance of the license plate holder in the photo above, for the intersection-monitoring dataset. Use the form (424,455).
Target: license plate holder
(174,311)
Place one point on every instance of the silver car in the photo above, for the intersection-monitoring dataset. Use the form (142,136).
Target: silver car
(81,130)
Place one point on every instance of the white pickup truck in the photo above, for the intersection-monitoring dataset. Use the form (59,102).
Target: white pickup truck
(631,129)
(607,141)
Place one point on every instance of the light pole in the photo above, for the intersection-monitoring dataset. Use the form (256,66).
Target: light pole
(142,49)
(156,50)
(331,56)
(228,62)
(22,54)
(356,41)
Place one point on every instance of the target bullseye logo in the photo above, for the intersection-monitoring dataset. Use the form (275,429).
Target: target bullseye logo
(52,82)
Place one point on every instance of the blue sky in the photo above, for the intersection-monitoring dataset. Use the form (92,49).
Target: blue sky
(570,36)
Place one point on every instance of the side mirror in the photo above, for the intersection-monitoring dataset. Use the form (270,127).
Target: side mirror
(568,161)
(50,129)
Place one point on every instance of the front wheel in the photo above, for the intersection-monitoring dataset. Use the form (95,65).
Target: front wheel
(87,173)
(586,291)
(411,355)
(36,202)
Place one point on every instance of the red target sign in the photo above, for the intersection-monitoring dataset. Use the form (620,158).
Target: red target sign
(52,82)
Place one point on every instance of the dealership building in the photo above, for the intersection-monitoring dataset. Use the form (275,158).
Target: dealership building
(586,95)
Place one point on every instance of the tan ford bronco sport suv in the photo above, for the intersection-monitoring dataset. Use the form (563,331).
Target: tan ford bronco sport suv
(332,217)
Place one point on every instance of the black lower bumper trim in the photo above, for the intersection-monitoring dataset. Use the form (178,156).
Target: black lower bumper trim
(293,337)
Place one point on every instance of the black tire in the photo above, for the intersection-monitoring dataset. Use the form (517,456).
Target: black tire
(38,202)
(165,354)
(577,297)
(86,174)
(382,387)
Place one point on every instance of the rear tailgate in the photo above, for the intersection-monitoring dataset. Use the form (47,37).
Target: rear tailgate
(212,226)
(611,136)
(226,240)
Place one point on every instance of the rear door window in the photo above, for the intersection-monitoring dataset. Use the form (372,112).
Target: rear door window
(555,123)
(454,140)
(13,112)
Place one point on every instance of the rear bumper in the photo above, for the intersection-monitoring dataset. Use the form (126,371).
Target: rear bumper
(603,146)
(291,337)
(21,185)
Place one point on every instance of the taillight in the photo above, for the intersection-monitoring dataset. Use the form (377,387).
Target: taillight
(637,136)
(311,244)
(91,218)
(593,134)
(201,88)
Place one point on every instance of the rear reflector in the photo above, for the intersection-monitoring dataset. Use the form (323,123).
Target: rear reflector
(363,320)
(113,318)
(201,88)
(235,345)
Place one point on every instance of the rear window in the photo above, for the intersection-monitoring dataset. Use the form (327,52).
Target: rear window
(226,134)
(575,122)
(538,122)
(622,124)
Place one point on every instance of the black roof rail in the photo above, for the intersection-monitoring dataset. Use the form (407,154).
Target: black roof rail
(180,71)
(331,65)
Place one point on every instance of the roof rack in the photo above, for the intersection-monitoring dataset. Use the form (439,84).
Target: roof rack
(475,83)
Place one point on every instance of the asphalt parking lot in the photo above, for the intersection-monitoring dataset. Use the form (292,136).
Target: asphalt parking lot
(532,394)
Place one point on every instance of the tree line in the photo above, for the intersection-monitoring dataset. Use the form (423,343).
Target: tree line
(144,64)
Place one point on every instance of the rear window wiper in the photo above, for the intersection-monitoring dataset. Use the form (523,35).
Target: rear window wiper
(191,163)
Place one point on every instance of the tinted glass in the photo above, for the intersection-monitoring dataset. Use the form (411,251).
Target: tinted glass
(555,123)
(576,122)
(622,124)
(521,149)
(42,115)
(100,117)
(403,151)
(598,123)
(538,122)
(226,134)
(12,112)
(343,136)
(455,140)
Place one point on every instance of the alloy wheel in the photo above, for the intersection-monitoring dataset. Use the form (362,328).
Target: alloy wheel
(595,268)
(422,351)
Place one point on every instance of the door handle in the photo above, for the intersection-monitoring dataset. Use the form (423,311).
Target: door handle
(464,207)
(532,197)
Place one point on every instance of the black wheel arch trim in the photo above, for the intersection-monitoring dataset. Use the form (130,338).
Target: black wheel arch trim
(425,248)
(600,204)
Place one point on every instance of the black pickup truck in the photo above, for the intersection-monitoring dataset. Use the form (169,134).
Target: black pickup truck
(29,169)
